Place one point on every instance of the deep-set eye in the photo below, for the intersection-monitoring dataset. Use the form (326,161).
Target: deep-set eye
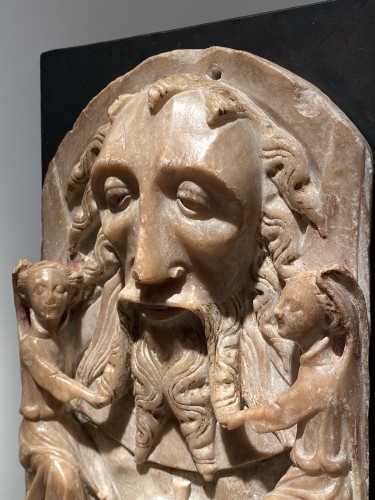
(117,195)
(193,201)
(60,289)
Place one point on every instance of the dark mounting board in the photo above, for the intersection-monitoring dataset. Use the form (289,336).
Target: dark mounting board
(330,44)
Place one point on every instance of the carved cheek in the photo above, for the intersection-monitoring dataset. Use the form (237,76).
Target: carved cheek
(63,302)
(117,227)
(37,303)
(210,236)
(201,230)
(298,322)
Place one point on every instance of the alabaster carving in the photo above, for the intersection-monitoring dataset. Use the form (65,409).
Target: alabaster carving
(199,326)
(50,436)
(321,320)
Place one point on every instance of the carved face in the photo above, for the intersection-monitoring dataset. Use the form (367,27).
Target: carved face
(298,313)
(48,293)
(180,203)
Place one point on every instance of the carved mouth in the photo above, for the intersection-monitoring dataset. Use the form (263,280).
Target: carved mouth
(156,312)
(282,327)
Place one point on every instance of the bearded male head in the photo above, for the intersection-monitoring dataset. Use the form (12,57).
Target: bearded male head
(179,186)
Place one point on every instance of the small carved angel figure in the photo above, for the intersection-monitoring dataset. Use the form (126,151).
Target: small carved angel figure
(315,312)
(53,446)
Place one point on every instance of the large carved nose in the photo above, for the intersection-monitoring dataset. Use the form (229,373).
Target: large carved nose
(149,275)
(157,257)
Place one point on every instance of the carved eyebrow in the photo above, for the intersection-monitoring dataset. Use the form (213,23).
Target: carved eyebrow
(108,168)
(198,173)
(103,169)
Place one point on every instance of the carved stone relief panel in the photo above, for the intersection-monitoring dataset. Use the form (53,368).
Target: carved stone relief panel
(198,327)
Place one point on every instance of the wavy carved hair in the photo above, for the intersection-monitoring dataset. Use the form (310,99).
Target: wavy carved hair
(290,195)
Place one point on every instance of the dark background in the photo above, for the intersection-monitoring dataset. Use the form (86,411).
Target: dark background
(331,45)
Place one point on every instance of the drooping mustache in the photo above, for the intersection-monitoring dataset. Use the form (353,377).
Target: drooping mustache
(151,295)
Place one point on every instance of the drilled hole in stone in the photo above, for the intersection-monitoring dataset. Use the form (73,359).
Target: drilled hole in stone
(214,73)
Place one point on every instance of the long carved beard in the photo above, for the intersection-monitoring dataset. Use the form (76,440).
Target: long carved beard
(173,379)
(192,377)
(223,325)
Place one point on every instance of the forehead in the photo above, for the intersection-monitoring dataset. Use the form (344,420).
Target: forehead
(299,289)
(46,274)
(178,136)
